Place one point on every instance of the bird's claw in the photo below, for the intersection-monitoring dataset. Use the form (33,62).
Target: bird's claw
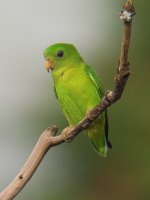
(67,137)
(88,114)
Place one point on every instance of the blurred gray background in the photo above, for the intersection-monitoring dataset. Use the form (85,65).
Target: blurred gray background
(28,105)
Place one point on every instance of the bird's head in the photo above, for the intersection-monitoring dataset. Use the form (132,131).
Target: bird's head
(59,55)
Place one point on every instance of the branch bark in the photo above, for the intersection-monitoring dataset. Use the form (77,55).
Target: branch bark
(49,139)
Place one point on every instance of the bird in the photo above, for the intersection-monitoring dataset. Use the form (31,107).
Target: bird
(78,90)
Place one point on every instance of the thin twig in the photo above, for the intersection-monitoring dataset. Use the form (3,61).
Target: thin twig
(49,139)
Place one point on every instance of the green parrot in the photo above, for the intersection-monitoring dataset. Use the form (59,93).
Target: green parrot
(78,90)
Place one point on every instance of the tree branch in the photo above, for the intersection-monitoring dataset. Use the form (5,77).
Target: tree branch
(49,139)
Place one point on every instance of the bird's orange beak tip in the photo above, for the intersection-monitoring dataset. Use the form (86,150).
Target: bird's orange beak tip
(49,64)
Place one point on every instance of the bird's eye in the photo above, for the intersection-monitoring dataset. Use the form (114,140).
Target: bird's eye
(60,54)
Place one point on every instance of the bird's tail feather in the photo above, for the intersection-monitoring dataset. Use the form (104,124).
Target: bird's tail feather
(96,133)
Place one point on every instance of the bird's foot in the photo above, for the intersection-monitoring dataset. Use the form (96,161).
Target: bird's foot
(88,114)
(65,134)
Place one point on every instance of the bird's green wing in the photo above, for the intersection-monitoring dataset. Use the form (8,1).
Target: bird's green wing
(96,82)
(94,79)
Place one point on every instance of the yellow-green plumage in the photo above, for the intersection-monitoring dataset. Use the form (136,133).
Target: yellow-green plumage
(78,90)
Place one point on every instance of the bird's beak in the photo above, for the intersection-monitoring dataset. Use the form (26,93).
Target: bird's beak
(49,64)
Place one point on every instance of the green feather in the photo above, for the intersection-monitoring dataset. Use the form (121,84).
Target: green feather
(95,80)
(78,90)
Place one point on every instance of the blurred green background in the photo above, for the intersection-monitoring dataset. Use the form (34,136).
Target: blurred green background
(28,105)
